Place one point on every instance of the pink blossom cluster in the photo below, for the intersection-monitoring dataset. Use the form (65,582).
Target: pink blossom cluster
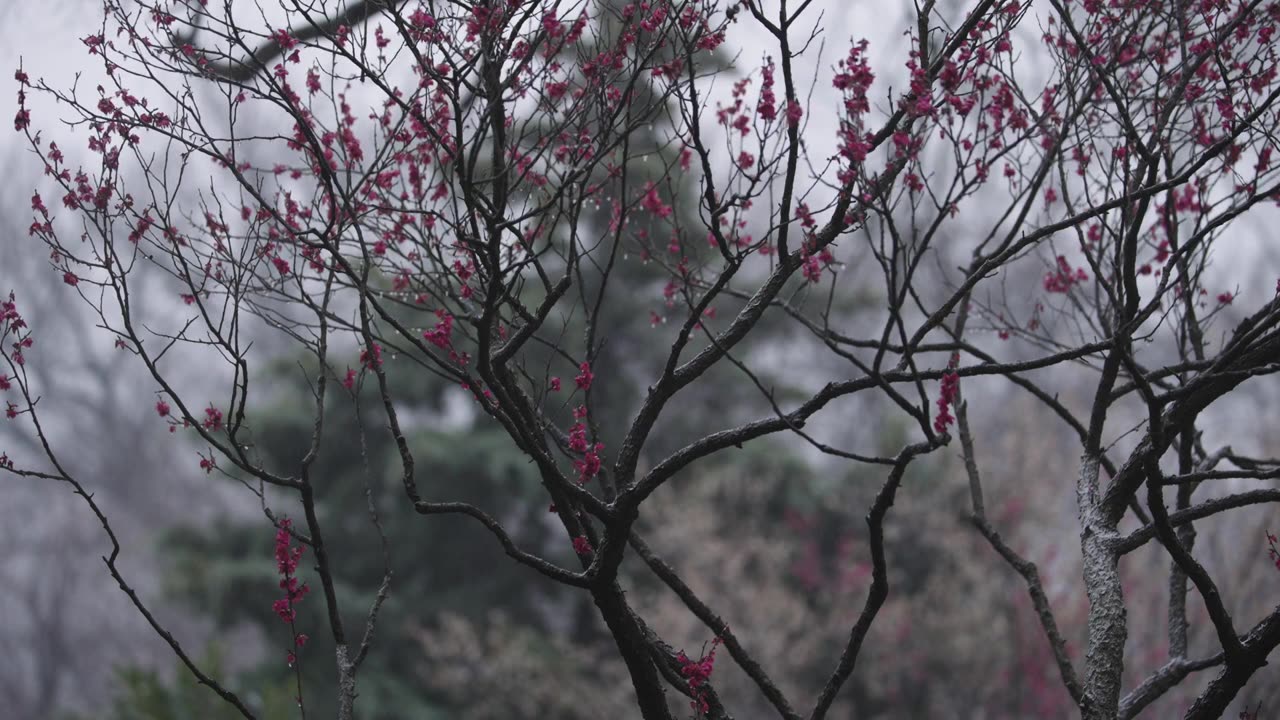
(767,107)
(1063,277)
(698,674)
(653,203)
(208,463)
(287,557)
(584,377)
(14,329)
(947,397)
(14,332)
(854,82)
(212,419)
(372,357)
(588,466)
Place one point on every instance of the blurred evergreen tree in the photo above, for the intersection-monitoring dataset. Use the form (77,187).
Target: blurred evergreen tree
(145,695)
(439,564)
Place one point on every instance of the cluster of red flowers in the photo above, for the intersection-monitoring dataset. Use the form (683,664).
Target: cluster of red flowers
(13,329)
(854,82)
(698,673)
(208,463)
(584,376)
(212,419)
(287,557)
(950,389)
(372,358)
(1063,277)
(12,324)
(653,203)
(588,466)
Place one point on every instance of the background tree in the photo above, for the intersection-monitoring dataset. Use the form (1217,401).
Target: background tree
(65,630)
